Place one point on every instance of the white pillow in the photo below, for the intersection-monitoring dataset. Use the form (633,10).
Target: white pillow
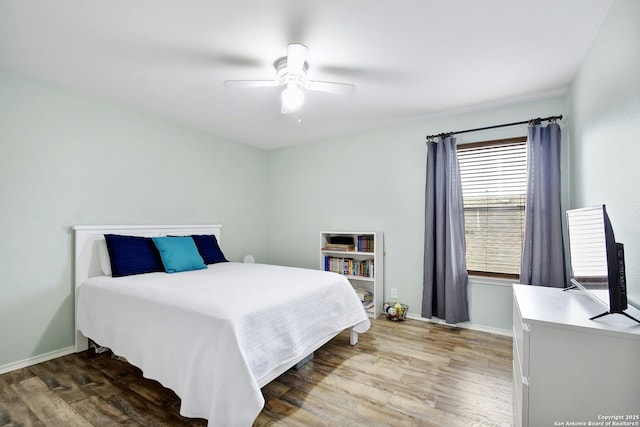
(105,261)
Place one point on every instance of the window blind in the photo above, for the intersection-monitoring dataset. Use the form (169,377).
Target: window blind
(494,185)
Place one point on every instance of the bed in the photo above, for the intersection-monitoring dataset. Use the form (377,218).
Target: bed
(214,335)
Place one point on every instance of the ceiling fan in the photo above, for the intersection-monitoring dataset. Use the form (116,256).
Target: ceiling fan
(291,71)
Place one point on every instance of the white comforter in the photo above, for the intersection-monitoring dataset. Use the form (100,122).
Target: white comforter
(212,335)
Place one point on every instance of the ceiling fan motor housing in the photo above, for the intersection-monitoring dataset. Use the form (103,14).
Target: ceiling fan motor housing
(285,76)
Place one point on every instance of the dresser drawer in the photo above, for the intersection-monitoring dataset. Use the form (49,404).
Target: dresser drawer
(520,341)
(520,398)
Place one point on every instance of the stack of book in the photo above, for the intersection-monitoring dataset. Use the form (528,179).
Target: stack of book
(365,243)
(365,296)
(339,247)
(349,266)
(340,243)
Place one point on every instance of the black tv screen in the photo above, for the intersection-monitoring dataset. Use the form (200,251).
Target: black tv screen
(597,260)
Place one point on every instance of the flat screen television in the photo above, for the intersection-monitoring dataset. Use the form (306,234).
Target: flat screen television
(597,260)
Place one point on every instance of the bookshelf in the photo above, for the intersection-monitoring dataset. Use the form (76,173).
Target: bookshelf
(359,257)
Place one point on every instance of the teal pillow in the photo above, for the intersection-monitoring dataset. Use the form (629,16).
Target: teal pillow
(179,254)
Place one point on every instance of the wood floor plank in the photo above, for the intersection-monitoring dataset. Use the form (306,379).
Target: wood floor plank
(59,380)
(13,410)
(147,413)
(363,411)
(51,409)
(92,374)
(99,412)
(278,410)
(274,390)
(17,375)
(407,373)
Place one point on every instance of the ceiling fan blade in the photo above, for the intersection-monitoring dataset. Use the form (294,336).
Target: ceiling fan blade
(296,56)
(251,83)
(331,87)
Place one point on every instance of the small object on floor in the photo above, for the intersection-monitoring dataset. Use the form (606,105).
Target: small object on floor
(395,311)
(96,349)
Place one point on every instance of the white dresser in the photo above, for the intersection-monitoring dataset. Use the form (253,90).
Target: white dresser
(569,369)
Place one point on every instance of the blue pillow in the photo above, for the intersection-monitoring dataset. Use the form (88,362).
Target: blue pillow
(209,248)
(179,254)
(132,255)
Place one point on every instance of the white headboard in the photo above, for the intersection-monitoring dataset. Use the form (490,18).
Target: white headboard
(87,257)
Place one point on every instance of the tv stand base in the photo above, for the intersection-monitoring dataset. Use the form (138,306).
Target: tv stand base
(620,312)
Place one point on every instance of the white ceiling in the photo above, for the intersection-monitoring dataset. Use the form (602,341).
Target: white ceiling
(410,59)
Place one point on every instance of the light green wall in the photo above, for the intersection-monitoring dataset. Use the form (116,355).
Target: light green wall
(605,131)
(66,159)
(375,181)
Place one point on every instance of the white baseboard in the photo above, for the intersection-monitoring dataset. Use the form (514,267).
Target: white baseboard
(36,359)
(464,325)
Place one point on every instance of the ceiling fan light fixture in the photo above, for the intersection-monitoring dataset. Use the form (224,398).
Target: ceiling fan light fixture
(291,71)
(292,98)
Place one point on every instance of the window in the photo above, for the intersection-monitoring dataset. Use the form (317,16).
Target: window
(494,189)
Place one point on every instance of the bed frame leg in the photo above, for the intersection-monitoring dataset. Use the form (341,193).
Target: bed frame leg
(353,337)
(304,361)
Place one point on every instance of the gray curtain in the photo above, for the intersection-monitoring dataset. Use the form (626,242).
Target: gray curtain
(543,250)
(444,292)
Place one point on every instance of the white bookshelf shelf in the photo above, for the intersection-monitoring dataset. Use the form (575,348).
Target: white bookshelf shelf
(363,278)
(346,253)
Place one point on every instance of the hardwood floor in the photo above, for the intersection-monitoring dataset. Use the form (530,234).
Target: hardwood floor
(407,373)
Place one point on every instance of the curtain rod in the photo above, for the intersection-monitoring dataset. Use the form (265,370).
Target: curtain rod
(530,122)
